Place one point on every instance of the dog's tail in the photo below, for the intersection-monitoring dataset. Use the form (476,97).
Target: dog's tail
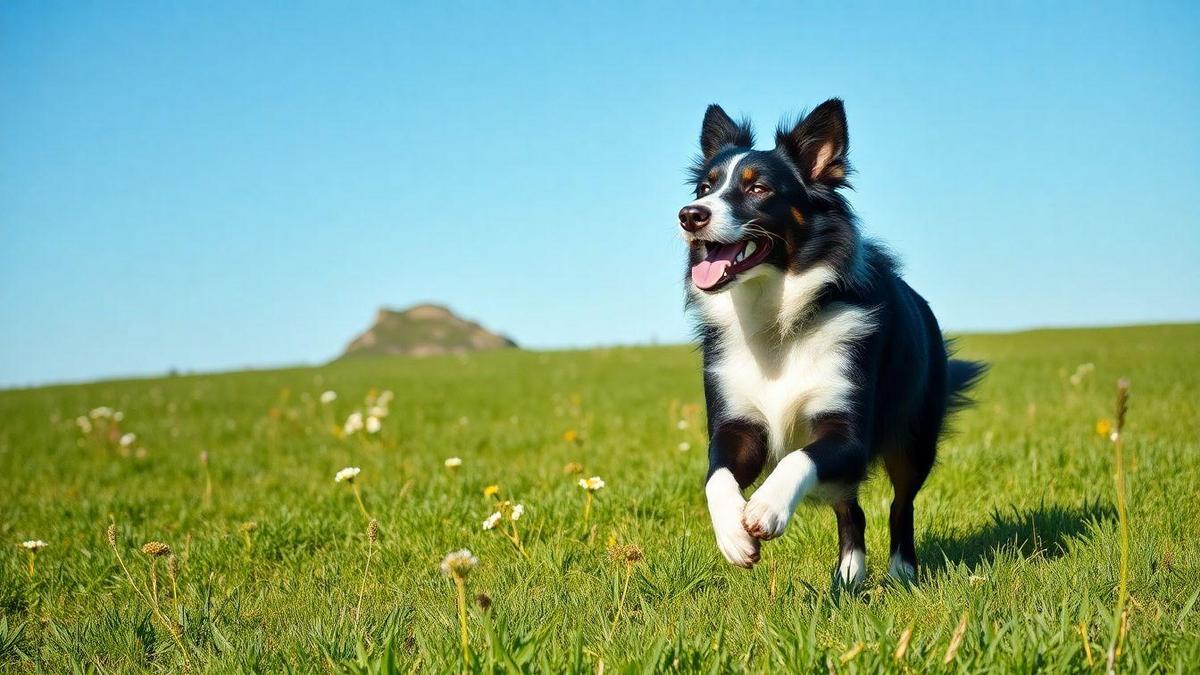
(961,378)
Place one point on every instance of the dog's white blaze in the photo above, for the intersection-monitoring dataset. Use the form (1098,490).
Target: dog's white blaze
(853,567)
(783,374)
(720,225)
(899,569)
(725,506)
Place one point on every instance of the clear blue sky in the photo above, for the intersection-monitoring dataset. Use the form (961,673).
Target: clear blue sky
(220,185)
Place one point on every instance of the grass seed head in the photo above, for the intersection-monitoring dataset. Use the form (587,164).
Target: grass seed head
(112,535)
(172,566)
(373,531)
(156,549)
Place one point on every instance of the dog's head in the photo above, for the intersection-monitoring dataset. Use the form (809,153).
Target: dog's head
(755,209)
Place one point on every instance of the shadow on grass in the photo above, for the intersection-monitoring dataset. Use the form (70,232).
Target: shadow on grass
(1039,532)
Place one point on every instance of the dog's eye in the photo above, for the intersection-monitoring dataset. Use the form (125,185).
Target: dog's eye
(705,188)
(758,189)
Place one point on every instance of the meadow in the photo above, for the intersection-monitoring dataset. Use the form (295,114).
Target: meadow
(271,567)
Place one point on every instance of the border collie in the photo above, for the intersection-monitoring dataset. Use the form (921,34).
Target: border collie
(818,357)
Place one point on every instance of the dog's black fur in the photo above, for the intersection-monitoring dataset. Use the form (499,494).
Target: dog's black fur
(790,200)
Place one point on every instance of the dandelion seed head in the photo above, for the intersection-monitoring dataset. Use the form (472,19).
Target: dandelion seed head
(458,564)
(156,549)
(347,474)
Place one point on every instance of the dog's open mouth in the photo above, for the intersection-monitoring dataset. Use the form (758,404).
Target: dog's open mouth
(723,262)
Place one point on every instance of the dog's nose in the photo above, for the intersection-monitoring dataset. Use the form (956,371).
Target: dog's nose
(692,217)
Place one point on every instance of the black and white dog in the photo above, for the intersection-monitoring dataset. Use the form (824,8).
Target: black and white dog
(818,357)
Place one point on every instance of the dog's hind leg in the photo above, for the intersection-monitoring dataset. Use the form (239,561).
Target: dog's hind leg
(852,543)
(907,468)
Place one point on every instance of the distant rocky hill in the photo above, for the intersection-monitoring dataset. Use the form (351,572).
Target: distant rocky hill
(423,330)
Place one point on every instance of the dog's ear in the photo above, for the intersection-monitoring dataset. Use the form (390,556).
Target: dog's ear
(818,144)
(719,130)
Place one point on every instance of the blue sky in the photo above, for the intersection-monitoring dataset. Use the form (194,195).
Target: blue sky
(217,185)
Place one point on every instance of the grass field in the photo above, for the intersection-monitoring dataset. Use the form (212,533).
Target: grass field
(1017,528)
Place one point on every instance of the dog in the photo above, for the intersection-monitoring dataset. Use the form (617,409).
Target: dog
(818,358)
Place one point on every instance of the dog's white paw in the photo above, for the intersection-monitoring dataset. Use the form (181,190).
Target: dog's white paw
(900,570)
(768,513)
(852,569)
(738,547)
(725,506)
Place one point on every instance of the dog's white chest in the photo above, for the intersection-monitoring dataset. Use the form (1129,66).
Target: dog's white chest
(783,382)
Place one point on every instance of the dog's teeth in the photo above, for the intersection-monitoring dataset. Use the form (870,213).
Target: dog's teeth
(749,249)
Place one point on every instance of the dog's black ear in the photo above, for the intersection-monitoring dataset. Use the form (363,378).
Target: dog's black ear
(818,144)
(720,130)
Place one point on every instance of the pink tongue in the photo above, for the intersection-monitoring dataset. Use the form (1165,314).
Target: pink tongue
(708,272)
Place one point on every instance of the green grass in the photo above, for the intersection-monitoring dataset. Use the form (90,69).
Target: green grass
(1016,528)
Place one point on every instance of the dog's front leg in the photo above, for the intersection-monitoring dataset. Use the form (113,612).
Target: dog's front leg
(832,457)
(736,453)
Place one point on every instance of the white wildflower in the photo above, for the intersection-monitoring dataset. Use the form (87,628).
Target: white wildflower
(354,423)
(592,484)
(347,474)
(378,411)
(491,521)
(373,425)
(85,425)
(458,563)
(681,425)
(685,446)
(101,412)
(328,397)
(118,416)
(453,462)
(517,511)
(128,439)
(34,545)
